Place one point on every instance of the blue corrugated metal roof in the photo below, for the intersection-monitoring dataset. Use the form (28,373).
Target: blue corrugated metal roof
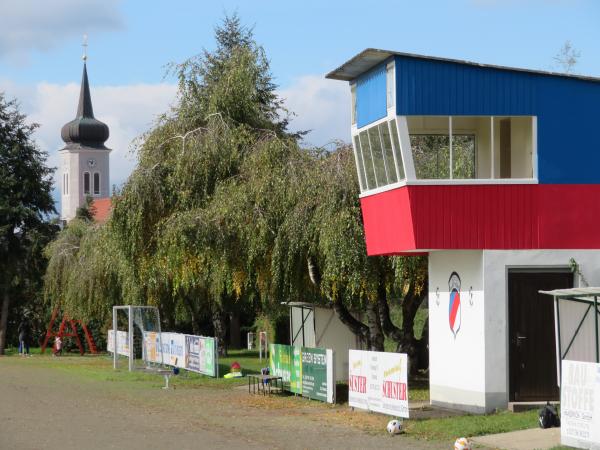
(371,57)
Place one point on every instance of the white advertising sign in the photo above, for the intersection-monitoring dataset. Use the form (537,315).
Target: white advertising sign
(377,381)
(580,404)
(168,350)
(122,343)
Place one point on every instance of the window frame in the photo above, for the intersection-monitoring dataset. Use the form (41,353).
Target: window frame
(404,153)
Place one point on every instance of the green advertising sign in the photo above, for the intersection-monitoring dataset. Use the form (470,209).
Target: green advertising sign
(296,372)
(314,373)
(285,361)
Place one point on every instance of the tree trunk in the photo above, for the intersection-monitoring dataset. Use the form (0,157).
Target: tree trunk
(374,324)
(235,336)
(4,320)
(423,347)
(405,335)
(356,326)
(218,319)
(193,315)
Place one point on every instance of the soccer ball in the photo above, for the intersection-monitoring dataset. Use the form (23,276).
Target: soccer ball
(462,444)
(394,426)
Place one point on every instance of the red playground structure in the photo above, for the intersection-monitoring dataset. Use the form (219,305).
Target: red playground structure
(68,328)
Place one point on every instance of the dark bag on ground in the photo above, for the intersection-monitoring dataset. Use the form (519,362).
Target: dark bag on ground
(548,417)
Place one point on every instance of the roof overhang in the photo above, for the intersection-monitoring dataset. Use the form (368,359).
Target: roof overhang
(585,294)
(359,64)
(371,57)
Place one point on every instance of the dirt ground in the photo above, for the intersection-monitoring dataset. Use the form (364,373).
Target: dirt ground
(44,407)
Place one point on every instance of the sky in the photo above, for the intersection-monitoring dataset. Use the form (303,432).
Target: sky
(132,41)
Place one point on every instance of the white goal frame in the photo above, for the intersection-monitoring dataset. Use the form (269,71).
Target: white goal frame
(130,331)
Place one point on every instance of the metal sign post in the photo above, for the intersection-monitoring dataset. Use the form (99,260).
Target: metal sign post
(262,340)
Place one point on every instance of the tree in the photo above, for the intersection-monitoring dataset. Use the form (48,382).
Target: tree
(25,203)
(567,57)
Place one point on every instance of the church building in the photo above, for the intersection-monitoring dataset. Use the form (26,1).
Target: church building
(84,160)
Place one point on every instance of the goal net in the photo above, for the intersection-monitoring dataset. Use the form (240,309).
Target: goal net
(135,338)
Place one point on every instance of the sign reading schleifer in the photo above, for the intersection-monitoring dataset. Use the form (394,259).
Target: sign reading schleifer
(377,381)
(580,404)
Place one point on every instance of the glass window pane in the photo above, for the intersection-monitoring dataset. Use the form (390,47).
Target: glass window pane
(396,142)
(366,152)
(359,163)
(378,161)
(430,143)
(86,183)
(388,153)
(463,156)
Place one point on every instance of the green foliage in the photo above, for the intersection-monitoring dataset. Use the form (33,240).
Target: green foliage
(25,203)
(224,211)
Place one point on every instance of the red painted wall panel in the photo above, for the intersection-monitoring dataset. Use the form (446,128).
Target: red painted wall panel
(388,222)
(531,216)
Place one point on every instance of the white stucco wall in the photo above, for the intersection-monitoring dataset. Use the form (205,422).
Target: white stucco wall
(457,363)
(471,371)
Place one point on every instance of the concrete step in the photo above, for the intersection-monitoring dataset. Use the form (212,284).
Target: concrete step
(526,406)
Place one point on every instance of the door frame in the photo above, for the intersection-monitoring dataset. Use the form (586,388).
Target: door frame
(556,268)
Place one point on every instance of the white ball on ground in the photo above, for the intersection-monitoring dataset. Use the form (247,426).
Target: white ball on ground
(462,444)
(394,426)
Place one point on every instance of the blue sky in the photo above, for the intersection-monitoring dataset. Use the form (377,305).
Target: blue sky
(130,42)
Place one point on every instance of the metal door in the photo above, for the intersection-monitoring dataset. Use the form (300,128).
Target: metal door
(532,348)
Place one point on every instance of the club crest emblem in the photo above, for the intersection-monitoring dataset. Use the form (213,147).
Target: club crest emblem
(454,307)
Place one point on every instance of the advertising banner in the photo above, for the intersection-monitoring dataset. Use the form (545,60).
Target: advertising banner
(122,342)
(280,361)
(305,371)
(173,345)
(314,373)
(200,355)
(580,404)
(296,370)
(378,382)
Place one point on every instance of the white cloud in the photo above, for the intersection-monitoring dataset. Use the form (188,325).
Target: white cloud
(41,25)
(128,111)
(321,105)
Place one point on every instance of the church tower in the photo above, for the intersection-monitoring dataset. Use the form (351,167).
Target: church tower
(84,161)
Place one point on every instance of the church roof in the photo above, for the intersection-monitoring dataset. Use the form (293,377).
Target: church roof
(101,209)
(85,130)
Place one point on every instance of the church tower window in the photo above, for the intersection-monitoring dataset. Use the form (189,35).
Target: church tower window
(65,183)
(96,183)
(86,183)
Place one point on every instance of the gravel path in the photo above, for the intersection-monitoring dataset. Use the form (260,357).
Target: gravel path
(45,407)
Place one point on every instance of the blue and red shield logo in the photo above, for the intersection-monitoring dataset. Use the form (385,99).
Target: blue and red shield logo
(454,307)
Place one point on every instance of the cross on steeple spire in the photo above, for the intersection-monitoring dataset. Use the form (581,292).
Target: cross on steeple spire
(84,45)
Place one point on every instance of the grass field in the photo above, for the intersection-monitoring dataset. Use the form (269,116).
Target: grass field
(99,368)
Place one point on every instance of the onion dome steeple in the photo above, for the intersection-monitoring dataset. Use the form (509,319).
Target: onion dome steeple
(85,130)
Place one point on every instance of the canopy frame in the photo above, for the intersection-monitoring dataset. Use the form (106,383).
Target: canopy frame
(587,295)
